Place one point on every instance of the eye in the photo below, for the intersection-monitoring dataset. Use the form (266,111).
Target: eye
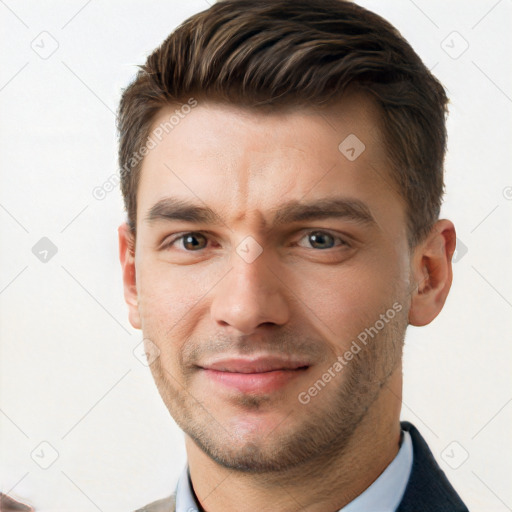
(192,241)
(323,240)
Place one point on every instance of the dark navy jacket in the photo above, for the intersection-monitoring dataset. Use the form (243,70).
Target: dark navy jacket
(428,489)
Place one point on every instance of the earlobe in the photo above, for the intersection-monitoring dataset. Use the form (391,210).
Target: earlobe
(127,259)
(432,273)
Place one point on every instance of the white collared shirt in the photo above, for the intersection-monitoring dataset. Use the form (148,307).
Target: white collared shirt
(384,495)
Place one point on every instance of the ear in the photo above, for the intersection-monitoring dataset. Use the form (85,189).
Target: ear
(432,273)
(127,258)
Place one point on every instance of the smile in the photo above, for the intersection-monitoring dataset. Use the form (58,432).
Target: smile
(256,375)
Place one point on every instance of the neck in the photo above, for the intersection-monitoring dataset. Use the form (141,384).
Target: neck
(322,484)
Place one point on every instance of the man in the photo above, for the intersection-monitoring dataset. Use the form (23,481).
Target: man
(282,170)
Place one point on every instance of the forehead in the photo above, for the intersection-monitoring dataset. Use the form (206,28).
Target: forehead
(246,162)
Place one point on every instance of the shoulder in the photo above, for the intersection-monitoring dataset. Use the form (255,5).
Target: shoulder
(164,505)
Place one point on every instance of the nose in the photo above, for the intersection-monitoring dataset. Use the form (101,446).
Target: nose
(250,295)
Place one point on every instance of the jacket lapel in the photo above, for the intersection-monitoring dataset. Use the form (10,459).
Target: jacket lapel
(428,488)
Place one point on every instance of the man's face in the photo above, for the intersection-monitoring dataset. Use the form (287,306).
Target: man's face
(252,297)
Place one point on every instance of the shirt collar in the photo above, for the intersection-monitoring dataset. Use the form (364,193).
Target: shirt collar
(384,495)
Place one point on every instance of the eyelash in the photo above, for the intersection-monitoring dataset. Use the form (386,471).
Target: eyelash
(170,243)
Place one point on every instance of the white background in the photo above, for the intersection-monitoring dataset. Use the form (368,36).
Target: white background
(68,373)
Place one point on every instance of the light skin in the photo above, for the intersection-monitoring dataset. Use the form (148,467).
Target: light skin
(300,290)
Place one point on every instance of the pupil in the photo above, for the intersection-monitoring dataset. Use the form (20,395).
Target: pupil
(320,238)
(190,241)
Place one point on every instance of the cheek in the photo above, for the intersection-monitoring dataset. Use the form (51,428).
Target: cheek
(159,299)
(166,316)
(341,301)
(171,301)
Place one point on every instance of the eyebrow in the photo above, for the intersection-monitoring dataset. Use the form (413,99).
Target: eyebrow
(176,209)
(336,207)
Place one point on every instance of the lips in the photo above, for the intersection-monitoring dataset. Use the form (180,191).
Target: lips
(254,375)
(255,365)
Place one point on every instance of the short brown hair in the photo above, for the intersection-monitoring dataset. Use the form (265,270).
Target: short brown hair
(261,53)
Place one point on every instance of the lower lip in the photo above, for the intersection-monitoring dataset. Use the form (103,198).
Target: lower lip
(264,382)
